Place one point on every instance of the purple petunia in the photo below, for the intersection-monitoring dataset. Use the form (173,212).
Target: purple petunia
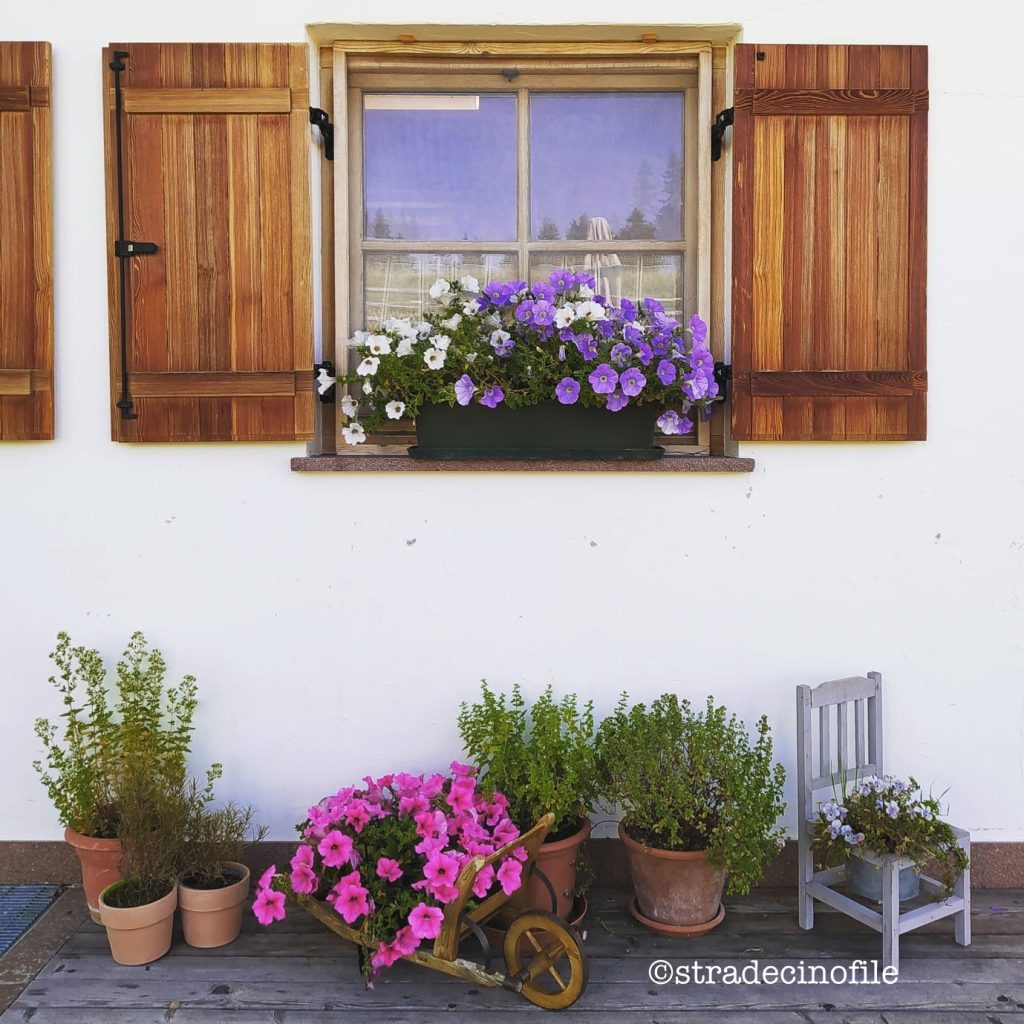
(628,310)
(632,334)
(644,353)
(587,346)
(695,386)
(464,388)
(603,379)
(666,371)
(561,279)
(524,311)
(632,382)
(702,359)
(653,306)
(543,313)
(616,401)
(698,329)
(498,293)
(621,354)
(542,290)
(567,391)
(492,396)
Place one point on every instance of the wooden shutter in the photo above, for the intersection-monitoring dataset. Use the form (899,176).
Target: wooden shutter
(26,244)
(829,207)
(216,166)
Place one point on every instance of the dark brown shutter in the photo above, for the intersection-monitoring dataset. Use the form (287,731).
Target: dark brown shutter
(26,244)
(216,151)
(829,208)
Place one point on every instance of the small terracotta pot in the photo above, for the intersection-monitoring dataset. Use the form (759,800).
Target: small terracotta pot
(556,861)
(139,935)
(213,917)
(101,865)
(672,887)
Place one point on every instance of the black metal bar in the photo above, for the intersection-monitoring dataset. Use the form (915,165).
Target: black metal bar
(117,66)
(547,885)
(722,121)
(723,374)
(481,937)
(320,119)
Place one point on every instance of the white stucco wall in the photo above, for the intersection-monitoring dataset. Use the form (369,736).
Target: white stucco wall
(335,621)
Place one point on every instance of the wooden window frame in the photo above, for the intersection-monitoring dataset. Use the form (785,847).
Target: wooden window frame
(341,199)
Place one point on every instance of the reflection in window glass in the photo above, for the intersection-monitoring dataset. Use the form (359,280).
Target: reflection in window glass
(631,275)
(606,164)
(439,166)
(397,284)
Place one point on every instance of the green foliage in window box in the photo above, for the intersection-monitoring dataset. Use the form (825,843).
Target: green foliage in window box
(691,780)
(540,755)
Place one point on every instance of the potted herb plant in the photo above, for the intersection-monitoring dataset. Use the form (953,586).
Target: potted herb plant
(510,371)
(213,883)
(700,807)
(883,817)
(87,759)
(541,756)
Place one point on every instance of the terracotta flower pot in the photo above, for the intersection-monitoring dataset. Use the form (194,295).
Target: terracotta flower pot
(556,860)
(139,935)
(101,865)
(676,889)
(213,917)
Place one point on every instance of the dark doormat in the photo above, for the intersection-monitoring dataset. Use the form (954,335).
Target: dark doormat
(20,907)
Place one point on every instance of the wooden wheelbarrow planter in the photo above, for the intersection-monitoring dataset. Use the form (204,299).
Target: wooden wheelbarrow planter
(544,956)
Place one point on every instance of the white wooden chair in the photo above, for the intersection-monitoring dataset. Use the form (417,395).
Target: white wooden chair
(858,700)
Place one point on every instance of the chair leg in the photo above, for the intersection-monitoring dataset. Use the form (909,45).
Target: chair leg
(963,889)
(805,859)
(890,914)
(806,907)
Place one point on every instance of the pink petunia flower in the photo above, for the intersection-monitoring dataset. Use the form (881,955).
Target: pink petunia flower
(510,876)
(460,796)
(430,824)
(442,891)
(505,832)
(303,855)
(405,942)
(357,814)
(425,921)
(389,869)
(385,956)
(484,881)
(413,804)
(441,868)
(267,877)
(303,879)
(350,900)
(406,783)
(433,786)
(335,848)
(426,847)
(269,906)
(458,768)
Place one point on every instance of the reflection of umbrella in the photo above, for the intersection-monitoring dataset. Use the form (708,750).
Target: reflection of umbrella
(606,267)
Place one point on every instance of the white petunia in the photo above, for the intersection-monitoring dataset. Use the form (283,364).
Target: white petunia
(586,292)
(434,358)
(367,388)
(380,345)
(470,284)
(452,322)
(400,325)
(591,310)
(423,329)
(354,433)
(324,381)
(405,347)
(357,339)
(565,315)
(395,410)
(442,341)
(471,308)
(439,287)
(349,406)
(368,367)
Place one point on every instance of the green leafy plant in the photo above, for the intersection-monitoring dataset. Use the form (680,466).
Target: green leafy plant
(541,756)
(109,736)
(888,816)
(211,837)
(691,780)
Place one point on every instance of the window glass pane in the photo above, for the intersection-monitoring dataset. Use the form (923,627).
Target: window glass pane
(439,166)
(631,275)
(606,165)
(396,284)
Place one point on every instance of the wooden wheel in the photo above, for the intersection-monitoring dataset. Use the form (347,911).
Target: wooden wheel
(546,954)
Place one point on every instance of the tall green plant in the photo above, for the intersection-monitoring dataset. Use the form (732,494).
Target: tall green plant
(691,780)
(541,756)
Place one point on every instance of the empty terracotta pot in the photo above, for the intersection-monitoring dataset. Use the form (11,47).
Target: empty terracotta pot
(673,888)
(213,917)
(139,935)
(101,865)
(556,860)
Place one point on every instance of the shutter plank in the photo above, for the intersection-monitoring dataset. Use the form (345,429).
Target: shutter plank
(828,289)
(26,233)
(229,356)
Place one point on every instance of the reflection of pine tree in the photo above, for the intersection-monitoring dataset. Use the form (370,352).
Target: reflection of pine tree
(380,227)
(637,226)
(669,222)
(548,231)
(643,188)
(577,228)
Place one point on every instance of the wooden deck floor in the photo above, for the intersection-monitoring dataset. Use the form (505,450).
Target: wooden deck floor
(297,973)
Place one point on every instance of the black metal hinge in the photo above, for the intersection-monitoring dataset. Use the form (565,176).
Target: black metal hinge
(722,121)
(123,248)
(320,119)
(326,390)
(723,374)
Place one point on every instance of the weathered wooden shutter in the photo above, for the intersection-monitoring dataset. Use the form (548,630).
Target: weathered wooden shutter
(829,208)
(26,244)
(216,167)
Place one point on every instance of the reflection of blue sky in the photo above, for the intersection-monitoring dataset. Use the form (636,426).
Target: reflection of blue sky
(588,153)
(444,174)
